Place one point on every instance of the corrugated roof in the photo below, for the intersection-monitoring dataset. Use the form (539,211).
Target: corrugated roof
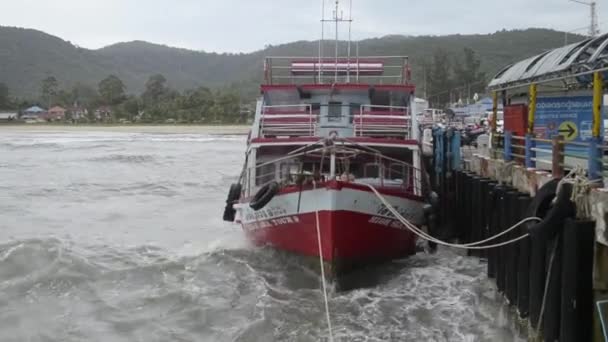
(552,62)
(34,109)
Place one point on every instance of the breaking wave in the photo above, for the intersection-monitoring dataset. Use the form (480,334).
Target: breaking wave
(124,158)
(245,295)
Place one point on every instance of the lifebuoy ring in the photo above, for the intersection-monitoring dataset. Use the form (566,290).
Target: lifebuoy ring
(264,195)
(233,195)
(552,207)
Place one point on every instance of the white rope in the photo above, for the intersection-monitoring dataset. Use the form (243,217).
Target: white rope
(323,280)
(581,186)
(472,245)
(547,282)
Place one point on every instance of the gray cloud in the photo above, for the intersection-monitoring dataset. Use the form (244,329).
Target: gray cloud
(247,25)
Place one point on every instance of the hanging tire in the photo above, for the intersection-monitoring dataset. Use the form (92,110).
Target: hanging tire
(264,195)
(552,207)
(233,195)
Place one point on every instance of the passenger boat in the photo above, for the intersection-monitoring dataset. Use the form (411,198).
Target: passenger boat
(328,132)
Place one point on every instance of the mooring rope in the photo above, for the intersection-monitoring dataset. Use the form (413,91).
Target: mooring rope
(426,236)
(581,186)
(323,280)
(547,282)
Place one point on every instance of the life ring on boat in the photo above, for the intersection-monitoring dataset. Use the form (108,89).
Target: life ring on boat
(552,207)
(233,195)
(264,195)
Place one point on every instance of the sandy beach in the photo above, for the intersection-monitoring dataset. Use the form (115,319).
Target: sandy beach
(188,129)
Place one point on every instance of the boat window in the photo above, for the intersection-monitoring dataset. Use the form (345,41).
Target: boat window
(398,99)
(355,109)
(265,174)
(380,98)
(288,170)
(334,113)
(371,170)
(397,171)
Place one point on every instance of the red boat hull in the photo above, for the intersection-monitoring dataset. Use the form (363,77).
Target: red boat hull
(354,229)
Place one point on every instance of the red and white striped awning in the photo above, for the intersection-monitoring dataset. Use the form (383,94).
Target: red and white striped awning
(363,67)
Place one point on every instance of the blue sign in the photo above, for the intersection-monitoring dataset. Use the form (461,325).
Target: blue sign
(568,116)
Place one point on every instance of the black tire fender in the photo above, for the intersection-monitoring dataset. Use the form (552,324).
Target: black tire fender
(552,207)
(264,195)
(233,195)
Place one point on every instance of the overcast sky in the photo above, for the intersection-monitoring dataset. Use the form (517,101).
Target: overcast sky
(248,25)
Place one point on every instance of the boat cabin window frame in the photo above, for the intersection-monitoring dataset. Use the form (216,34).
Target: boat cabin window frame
(265,174)
(334,111)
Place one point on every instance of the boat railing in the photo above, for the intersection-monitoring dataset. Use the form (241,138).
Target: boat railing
(382,172)
(382,121)
(288,120)
(341,70)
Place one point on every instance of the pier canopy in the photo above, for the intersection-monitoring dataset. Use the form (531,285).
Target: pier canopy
(571,64)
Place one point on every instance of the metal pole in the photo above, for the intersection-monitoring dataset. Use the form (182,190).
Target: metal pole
(357,61)
(350,24)
(531,108)
(336,20)
(507,146)
(595,162)
(494,110)
(557,160)
(321,41)
(332,165)
(594,29)
(597,103)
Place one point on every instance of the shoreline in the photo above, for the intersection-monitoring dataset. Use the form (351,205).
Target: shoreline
(169,129)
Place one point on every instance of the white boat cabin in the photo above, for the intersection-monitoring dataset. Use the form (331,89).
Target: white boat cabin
(364,105)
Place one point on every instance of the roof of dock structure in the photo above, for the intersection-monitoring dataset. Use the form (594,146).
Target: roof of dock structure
(566,63)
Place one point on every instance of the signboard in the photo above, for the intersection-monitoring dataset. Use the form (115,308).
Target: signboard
(568,116)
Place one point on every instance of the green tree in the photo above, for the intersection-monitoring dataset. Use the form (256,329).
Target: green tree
(49,89)
(84,95)
(156,88)
(467,75)
(4,99)
(439,82)
(112,90)
(131,107)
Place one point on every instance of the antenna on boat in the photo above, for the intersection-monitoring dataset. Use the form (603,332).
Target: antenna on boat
(350,24)
(321,41)
(337,19)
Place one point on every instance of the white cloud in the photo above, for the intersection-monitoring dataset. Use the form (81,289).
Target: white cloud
(247,25)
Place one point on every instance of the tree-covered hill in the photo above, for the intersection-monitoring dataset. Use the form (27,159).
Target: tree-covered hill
(29,56)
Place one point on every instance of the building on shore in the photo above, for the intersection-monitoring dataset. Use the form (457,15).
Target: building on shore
(77,112)
(103,113)
(56,113)
(8,116)
(33,113)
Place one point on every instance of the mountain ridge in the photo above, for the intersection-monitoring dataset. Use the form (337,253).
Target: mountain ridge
(28,55)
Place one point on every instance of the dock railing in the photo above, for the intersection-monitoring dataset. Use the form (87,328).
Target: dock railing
(556,154)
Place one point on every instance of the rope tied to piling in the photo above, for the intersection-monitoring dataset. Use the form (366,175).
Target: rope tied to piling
(473,245)
(505,172)
(581,187)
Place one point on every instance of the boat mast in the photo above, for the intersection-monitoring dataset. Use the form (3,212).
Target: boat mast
(321,41)
(350,24)
(337,20)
